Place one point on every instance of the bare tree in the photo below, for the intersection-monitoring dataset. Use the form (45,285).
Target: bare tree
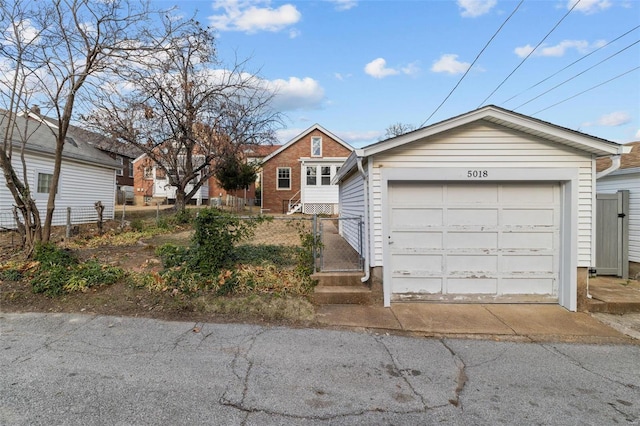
(186,112)
(398,129)
(53,53)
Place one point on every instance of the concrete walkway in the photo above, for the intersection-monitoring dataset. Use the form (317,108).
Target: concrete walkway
(513,322)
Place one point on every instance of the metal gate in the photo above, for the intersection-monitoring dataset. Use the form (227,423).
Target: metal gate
(612,234)
(340,248)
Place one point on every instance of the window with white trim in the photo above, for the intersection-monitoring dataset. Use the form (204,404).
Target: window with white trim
(44,183)
(325,175)
(130,168)
(120,161)
(284,178)
(316,146)
(148,173)
(312,173)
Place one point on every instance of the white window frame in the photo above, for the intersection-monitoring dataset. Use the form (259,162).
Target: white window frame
(147,173)
(120,171)
(130,166)
(314,175)
(42,195)
(322,176)
(316,140)
(278,178)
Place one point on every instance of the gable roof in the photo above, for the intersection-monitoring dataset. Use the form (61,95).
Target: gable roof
(260,151)
(302,135)
(42,140)
(627,161)
(500,116)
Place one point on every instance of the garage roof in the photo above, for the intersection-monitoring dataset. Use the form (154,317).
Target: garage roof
(503,117)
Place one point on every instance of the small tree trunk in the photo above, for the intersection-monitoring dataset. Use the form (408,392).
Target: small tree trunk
(180,200)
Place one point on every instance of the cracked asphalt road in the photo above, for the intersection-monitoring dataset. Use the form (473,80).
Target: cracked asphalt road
(76,369)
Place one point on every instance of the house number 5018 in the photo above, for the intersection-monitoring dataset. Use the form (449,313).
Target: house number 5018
(477,173)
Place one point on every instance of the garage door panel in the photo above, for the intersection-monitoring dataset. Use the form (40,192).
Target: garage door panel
(528,217)
(528,240)
(531,194)
(414,285)
(466,263)
(413,262)
(416,192)
(472,285)
(530,263)
(480,195)
(481,240)
(540,286)
(470,216)
(417,240)
(416,218)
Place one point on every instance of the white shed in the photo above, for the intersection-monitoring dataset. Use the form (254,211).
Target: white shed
(488,206)
(87,175)
(626,178)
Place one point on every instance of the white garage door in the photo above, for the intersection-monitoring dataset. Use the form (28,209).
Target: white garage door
(481,241)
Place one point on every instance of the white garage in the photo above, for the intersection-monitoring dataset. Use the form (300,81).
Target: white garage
(490,206)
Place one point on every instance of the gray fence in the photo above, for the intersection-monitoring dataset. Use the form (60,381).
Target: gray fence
(341,245)
(61,216)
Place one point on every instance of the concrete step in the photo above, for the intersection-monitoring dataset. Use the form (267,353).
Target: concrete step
(340,295)
(617,307)
(331,279)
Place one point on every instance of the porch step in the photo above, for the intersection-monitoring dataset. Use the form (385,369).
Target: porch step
(341,295)
(331,279)
(616,307)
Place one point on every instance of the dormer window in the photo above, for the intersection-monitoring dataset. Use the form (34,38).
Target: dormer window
(316,146)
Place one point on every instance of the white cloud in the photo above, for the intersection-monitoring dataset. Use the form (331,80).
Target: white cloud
(296,93)
(449,63)
(253,15)
(357,139)
(617,118)
(638,134)
(559,49)
(378,69)
(475,8)
(344,4)
(589,6)
(342,77)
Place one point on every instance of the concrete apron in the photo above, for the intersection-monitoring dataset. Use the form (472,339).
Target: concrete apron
(514,322)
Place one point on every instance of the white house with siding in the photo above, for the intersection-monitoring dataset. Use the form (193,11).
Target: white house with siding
(627,177)
(87,175)
(488,206)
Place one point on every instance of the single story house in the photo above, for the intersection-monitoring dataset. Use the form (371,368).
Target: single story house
(625,178)
(87,175)
(297,176)
(488,206)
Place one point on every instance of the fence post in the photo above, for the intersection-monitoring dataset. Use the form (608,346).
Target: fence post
(124,206)
(68,233)
(100,209)
(157,213)
(314,249)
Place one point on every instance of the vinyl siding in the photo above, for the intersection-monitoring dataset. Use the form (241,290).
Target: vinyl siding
(80,186)
(352,205)
(487,146)
(631,182)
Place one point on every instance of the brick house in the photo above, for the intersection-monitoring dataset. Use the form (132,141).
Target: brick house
(297,176)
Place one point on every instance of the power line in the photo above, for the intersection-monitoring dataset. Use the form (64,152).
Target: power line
(530,53)
(585,91)
(571,64)
(472,64)
(577,75)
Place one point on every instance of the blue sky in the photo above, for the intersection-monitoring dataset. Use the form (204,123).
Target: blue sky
(357,67)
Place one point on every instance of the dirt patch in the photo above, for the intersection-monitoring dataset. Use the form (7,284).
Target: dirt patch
(124,299)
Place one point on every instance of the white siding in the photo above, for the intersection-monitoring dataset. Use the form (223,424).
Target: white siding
(352,205)
(485,145)
(80,186)
(631,182)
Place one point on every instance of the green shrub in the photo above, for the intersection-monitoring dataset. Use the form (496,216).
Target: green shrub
(60,272)
(182,217)
(257,254)
(11,275)
(137,225)
(172,255)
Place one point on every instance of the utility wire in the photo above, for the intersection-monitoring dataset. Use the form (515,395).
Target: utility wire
(577,75)
(472,64)
(585,91)
(530,53)
(571,64)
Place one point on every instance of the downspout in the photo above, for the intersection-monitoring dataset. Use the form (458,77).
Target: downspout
(615,165)
(365,236)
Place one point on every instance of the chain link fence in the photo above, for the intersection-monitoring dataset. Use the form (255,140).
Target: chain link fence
(61,217)
(341,244)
